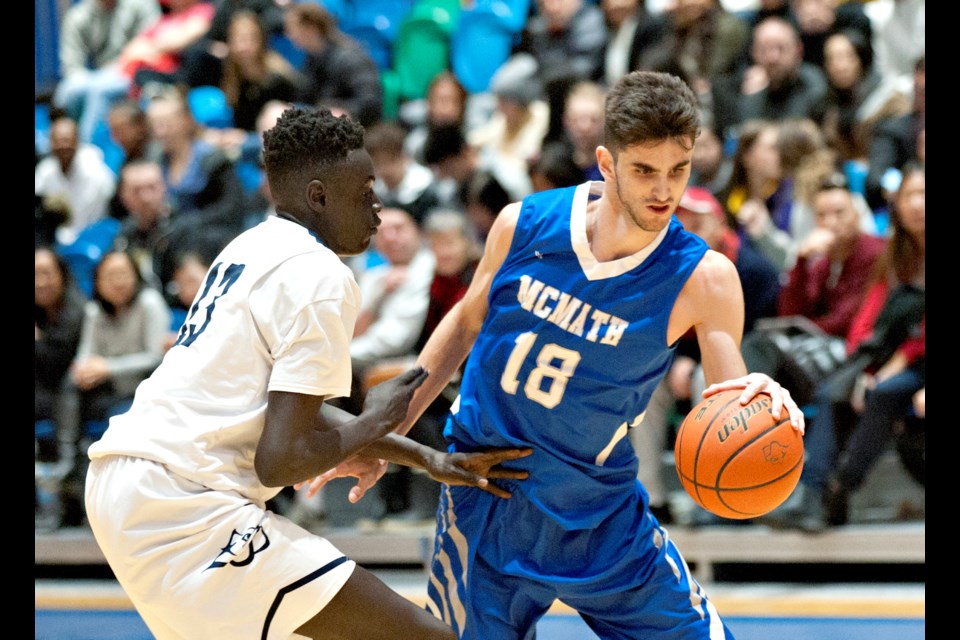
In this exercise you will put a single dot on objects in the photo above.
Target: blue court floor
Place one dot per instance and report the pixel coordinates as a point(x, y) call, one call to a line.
point(98, 610)
point(126, 625)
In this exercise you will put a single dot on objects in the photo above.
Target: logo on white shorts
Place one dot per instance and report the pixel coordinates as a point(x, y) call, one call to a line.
point(241, 548)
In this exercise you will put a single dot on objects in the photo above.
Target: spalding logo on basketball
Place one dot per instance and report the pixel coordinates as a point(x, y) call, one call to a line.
point(738, 461)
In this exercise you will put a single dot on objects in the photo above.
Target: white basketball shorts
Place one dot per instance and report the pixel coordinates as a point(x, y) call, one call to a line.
point(198, 563)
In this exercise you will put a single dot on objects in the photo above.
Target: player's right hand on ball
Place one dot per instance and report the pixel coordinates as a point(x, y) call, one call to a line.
point(391, 398)
point(474, 469)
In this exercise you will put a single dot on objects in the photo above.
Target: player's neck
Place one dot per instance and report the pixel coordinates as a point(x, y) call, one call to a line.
point(612, 236)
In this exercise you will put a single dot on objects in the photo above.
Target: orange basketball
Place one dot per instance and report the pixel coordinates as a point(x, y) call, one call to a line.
point(738, 461)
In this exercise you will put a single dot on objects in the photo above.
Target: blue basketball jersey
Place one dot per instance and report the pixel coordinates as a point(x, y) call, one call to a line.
point(569, 355)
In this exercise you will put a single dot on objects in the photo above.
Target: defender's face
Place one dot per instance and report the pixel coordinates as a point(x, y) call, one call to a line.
point(648, 180)
point(350, 218)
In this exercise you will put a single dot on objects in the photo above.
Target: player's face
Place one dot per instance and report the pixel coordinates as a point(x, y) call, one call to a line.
point(351, 206)
point(648, 180)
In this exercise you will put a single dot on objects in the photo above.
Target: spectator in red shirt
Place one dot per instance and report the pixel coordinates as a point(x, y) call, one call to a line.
point(828, 280)
point(886, 342)
point(825, 286)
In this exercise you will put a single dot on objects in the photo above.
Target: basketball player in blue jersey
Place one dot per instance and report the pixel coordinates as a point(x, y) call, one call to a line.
point(177, 487)
point(569, 323)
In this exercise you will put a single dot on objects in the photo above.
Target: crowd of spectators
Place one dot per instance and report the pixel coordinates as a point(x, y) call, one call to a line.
point(808, 175)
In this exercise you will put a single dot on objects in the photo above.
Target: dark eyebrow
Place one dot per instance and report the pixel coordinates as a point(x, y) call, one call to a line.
point(643, 165)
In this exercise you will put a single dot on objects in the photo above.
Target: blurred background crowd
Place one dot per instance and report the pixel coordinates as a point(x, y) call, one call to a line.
point(808, 174)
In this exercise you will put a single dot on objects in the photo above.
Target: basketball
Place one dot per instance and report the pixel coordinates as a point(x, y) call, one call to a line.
point(738, 461)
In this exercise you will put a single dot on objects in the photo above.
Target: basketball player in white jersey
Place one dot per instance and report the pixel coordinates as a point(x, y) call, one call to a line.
point(177, 486)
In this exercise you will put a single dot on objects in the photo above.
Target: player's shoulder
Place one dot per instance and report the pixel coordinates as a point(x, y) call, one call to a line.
point(714, 269)
point(505, 224)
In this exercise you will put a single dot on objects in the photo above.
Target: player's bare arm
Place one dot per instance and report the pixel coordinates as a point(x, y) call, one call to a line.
point(443, 354)
point(712, 303)
point(300, 441)
point(470, 469)
point(453, 338)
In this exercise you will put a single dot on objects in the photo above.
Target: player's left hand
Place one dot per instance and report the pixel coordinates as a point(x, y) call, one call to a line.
point(367, 471)
point(474, 469)
point(756, 383)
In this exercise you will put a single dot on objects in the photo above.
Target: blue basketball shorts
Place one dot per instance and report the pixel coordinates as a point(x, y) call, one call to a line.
point(498, 565)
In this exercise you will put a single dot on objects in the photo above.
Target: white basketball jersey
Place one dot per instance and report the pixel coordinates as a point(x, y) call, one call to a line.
point(276, 313)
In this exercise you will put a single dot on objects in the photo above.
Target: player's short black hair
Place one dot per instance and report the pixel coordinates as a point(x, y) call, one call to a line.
point(648, 106)
point(308, 137)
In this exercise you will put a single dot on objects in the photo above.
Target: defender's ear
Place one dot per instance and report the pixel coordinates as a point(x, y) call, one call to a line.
point(316, 195)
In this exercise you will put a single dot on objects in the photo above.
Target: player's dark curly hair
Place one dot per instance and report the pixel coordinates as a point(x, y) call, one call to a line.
point(648, 106)
point(308, 138)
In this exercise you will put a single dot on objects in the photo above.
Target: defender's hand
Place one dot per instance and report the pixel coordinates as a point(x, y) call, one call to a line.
point(391, 398)
point(475, 469)
point(367, 471)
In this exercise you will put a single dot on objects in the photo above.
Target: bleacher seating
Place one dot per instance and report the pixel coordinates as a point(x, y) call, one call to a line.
point(411, 41)
point(475, 65)
point(422, 48)
point(210, 107)
point(84, 253)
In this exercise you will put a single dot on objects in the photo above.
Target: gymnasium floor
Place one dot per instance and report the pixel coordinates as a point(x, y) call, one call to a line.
point(98, 610)
point(868, 585)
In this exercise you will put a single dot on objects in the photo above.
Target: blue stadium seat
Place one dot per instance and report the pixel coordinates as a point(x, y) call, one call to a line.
point(479, 46)
point(250, 174)
point(383, 15)
point(41, 128)
point(342, 10)
point(93, 430)
point(113, 153)
point(83, 255)
point(285, 47)
point(512, 14)
point(375, 42)
point(210, 107)
point(82, 258)
point(45, 429)
point(101, 233)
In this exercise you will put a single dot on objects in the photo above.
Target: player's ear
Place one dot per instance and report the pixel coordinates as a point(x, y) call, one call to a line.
point(316, 194)
point(606, 162)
